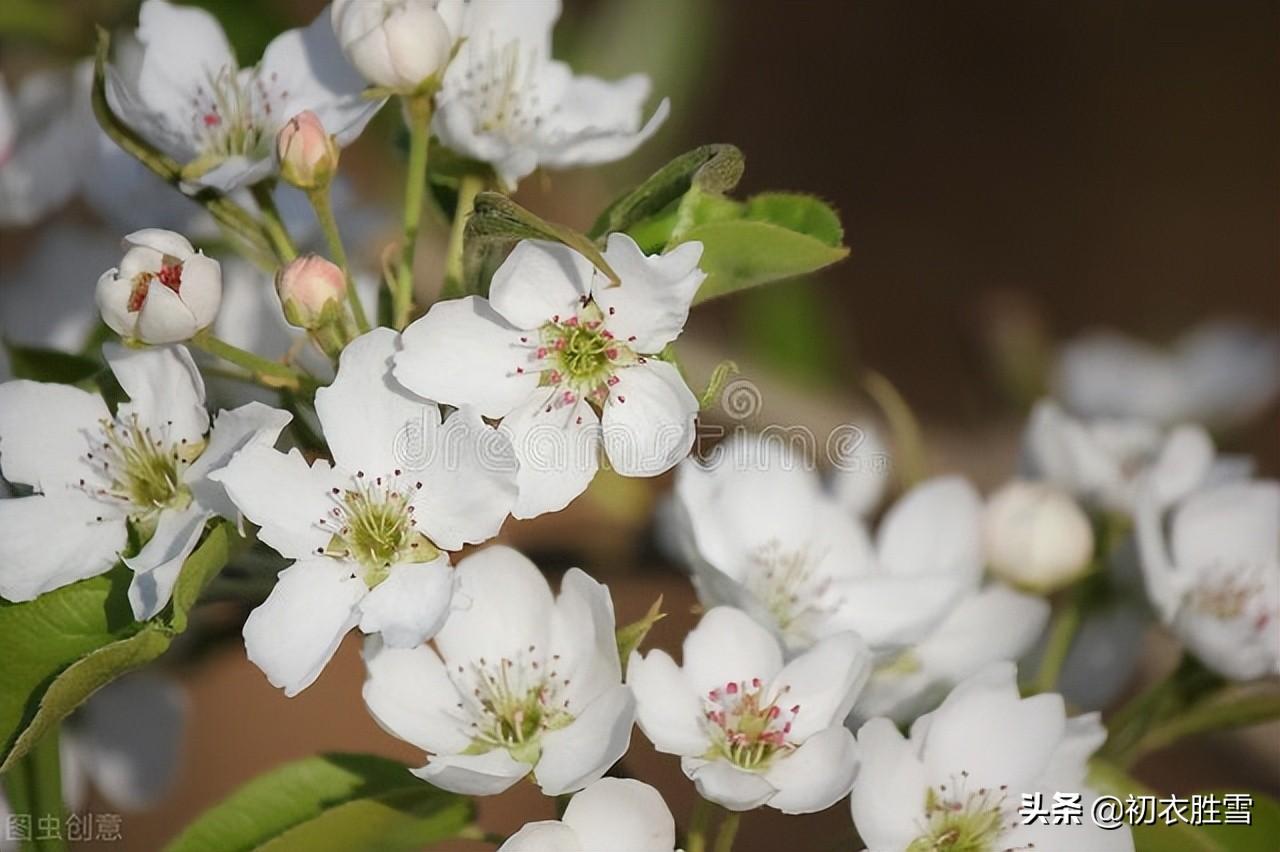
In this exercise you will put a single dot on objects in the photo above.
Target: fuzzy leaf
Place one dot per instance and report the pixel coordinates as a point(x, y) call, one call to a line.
point(744, 253)
point(329, 802)
point(804, 214)
point(711, 169)
point(630, 636)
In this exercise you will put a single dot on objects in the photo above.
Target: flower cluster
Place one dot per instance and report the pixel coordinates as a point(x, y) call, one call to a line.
point(399, 434)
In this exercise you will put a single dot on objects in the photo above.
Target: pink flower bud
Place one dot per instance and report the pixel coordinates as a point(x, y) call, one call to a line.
point(307, 153)
point(312, 291)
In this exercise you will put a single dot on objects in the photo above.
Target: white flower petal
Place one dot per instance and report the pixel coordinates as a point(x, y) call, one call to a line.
point(201, 289)
point(651, 304)
point(502, 605)
point(544, 836)
point(581, 752)
point(599, 122)
point(622, 815)
point(934, 529)
point(823, 682)
point(891, 612)
point(185, 48)
point(583, 635)
point(162, 242)
point(888, 800)
point(50, 541)
point(1237, 523)
point(540, 282)
point(130, 736)
point(252, 424)
point(1069, 762)
point(1185, 459)
point(411, 604)
point(816, 775)
point(667, 708)
point(727, 646)
point(157, 565)
point(165, 390)
point(408, 693)
point(558, 453)
point(474, 774)
point(469, 482)
point(370, 421)
point(45, 432)
point(727, 785)
point(293, 633)
point(165, 318)
point(464, 352)
point(649, 419)
point(284, 496)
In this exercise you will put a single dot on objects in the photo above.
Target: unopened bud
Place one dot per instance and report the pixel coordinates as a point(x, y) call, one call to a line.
point(1036, 537)
point(311, 291)
point(394, 44)
point(164, 291)
point(307, 153)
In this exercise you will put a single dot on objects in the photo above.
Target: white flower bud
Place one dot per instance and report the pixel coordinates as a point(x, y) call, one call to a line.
point(395, 44)
point(311, 291)
point(164, 290)
point(307, 154)
point(1036, 536)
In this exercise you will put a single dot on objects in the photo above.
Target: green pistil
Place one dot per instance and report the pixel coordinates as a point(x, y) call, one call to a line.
point(514, 710)
point(973, 824)
point(145, 472)
point(374, 527)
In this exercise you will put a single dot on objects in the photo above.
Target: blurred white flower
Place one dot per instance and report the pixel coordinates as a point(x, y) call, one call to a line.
point(46, 141)
point(749, 730)
point(1216, 578)
point(957, 781)
point(1036, 537)
point(1102, 461)
point(97, 477)
point(507, 103)
point(555, 343)
point(860, 477)
point(395, 44)
point(368, 533)
point(1221, 373)
point(617, 814)
point(518, 682)
point(164, 291)
point(188, 96)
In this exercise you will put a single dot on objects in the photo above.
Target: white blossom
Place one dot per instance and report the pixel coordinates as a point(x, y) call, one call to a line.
point(957, 781)
point(187, 94)
point(615, 814)
point(1215, 578)
point(555, 343)
point(507, 103)
point(368, 533)
point(749, 730)
point(164, 291)
point(395, 44)
point(518, 682)
point(101, 479)
point(1036, 537)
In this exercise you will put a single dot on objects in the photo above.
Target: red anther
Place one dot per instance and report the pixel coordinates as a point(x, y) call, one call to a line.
point(731, 688)
point(171, 276)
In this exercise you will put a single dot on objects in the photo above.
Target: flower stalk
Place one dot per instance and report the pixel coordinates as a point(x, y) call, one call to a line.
point(34, 788)
point(320, 202)
point(273, 374)
point(418, 109)
point(272, 223)
point(469, 186)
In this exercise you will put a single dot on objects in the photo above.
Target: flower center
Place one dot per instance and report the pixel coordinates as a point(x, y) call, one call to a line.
point(502, 89)
point(787, 586)
point(170, 275)
point(142, 469)
point(1233, 591)
point(960, 821)
point(577, 357)
point(372, 524)
point(235, 113)
point(746, 727)
point(510, 704)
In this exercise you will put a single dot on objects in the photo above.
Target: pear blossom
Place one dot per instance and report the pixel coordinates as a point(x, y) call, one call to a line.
point(100, 480)
point(504, 101)
point(164, 291)
point(1222, 373)
point(1215, 578)
point(749, 730)
point(307, 154)
point(860, 475)
point(1101, 461)
point(1036, 537)
point(369, 533)
point(958, 779)
point(518, 682)
point(187, 94)
point(396, 44)
point(312, 291)
point(555, 343)
point(618, 814)
point(763, 534)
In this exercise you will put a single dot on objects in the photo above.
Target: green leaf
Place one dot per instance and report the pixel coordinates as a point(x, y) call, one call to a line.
point(66, 644)
point(1259, 836)
point(804, 214)
point(745, 253)
point(629, 636)
point(711, 169)
point(50, 365)
point(334, 802)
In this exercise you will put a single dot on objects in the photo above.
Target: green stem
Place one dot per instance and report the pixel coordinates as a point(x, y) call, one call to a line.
point(699, 826)
point(1221, 711)
point(1062, 633)
point(35, 790)
point(728, 831)
point(418, 108)
point(469, 186)
point(324, 214)
point(272, 223)
point(908, 439)
point(1163, 700)
point(270, 373)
